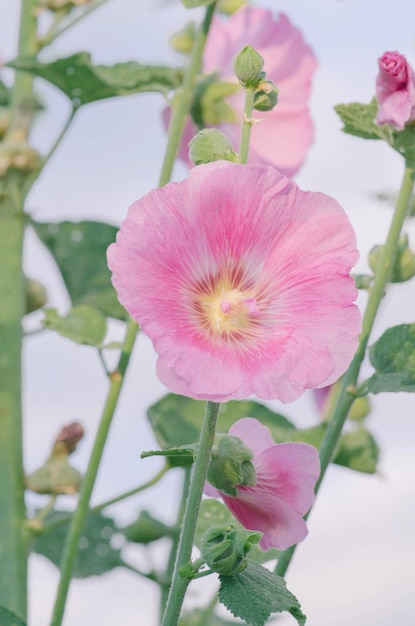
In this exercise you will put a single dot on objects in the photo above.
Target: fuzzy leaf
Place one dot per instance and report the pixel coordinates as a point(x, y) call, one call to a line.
point(393, 357)
point(359, 120)
point(255, 593)
point(187, 452)
point(197, 617)
point(7, 618)
point(83, 82)
point(95, 555)
point(84, 324)
point(79, 249)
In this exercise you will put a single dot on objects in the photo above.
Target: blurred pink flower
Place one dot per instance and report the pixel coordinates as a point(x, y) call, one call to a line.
point(284, 491)
point(242, 282)
point(395, 90)
point(284, 134)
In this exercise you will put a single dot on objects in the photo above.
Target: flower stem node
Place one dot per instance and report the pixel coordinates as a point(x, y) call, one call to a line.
point(230, 465)
point(211, 145)
point(265, 96)
point(404, 266)
point(224, 548)
point(248, 67)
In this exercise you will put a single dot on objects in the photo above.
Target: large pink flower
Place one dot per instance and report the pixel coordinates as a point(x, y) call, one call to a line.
point(395, 90)
point(242, 282)
point(284, 491)
point(283, 135)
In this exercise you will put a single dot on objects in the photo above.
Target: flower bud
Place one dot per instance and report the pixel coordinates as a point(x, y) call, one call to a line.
point(146, 529)
point(55, 477)
point(224, 548)
point(36, 295)
point(211, 145)
point(68, 438)
point(228, 7)
point(404, 266)
point(360, 408)
point(230, 465)
point(265, 96)
point(248, 67)
point(18, 155)
point(363, 281)
point(183, 40)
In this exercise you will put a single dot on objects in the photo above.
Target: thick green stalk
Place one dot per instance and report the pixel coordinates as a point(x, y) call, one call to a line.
point(376, 294)
point(181, 108)
point(13, 540)
point(246, 126)
point(184, 551)
point(75, 530)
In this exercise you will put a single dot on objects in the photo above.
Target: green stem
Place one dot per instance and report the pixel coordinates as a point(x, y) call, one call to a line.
point(56, 30)
point(175, 542)
point(184, 551)
point(13, 535)
point(75, 530)
point(246, 126)
point(181, 109)
point(376, 294)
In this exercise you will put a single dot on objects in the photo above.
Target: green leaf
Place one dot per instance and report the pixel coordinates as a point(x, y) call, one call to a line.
point(359, 451)
point(176, 420)
point(83, 82)
point(84, 324)
point(189, 452)
point(359, 120)
point(95, 555)
point(213, 513)
point(79, 249)
point(393, 357)
point(7, 618)
point(255, 593)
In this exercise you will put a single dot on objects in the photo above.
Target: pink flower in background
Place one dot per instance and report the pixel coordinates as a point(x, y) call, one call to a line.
point(242, 282)
point(284, 491)
point(284, 134)
point(395, 90)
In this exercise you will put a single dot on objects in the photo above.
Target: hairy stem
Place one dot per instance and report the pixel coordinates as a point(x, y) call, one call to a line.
point(376, 294)
point(184, 551)
point(13, 539)
point(246, 126)
point(75, 530)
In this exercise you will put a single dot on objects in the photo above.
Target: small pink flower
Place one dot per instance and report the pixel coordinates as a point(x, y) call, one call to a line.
point(283, 135)
point(395, 90)
point(284, 491)
point(242, 282)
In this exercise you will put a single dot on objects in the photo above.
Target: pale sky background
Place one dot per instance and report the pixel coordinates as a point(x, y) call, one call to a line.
point(356, 566)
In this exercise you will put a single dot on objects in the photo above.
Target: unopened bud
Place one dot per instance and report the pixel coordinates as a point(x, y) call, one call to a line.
point(224, 548)
point(230, 465)
point(36, 295)
point(55, 477)
point(211, 145)
point(228, 7)
point(183, 40)
point(146, 529)
point(18, 155)
point(404, 266)
point(68, 438)
point(248, 67)
point(360, 408)
point(265, 96)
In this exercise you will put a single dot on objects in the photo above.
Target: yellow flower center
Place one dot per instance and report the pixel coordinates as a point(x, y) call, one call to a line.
point(226, 309)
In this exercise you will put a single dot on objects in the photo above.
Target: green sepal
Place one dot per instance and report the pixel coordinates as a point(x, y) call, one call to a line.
point(83, 82)
point(210, 145)
point(230, 465)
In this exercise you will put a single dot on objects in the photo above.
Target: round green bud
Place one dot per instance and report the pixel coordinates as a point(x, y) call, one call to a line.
point(404, 266)
point(183, 40)
point(228, 7)
point(211, 145)
point(224, 548)
point(146, 529)
point(265, 96)
point(360, 408)
point(248, 67)
point(36, 295)
point(230, 465)
point(55, 477)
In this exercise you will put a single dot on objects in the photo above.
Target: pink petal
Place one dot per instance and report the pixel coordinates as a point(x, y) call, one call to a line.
point(254, 434)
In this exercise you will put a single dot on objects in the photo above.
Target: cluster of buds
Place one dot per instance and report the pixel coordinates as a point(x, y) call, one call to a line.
point(224, 548)
point(248, 67)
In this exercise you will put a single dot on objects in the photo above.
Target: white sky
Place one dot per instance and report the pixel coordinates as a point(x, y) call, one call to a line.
point(356, 566)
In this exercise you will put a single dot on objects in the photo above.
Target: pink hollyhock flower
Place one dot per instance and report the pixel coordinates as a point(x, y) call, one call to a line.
point(395, 90)
point(284, 491)
point(242, 282)
point(284, 134)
